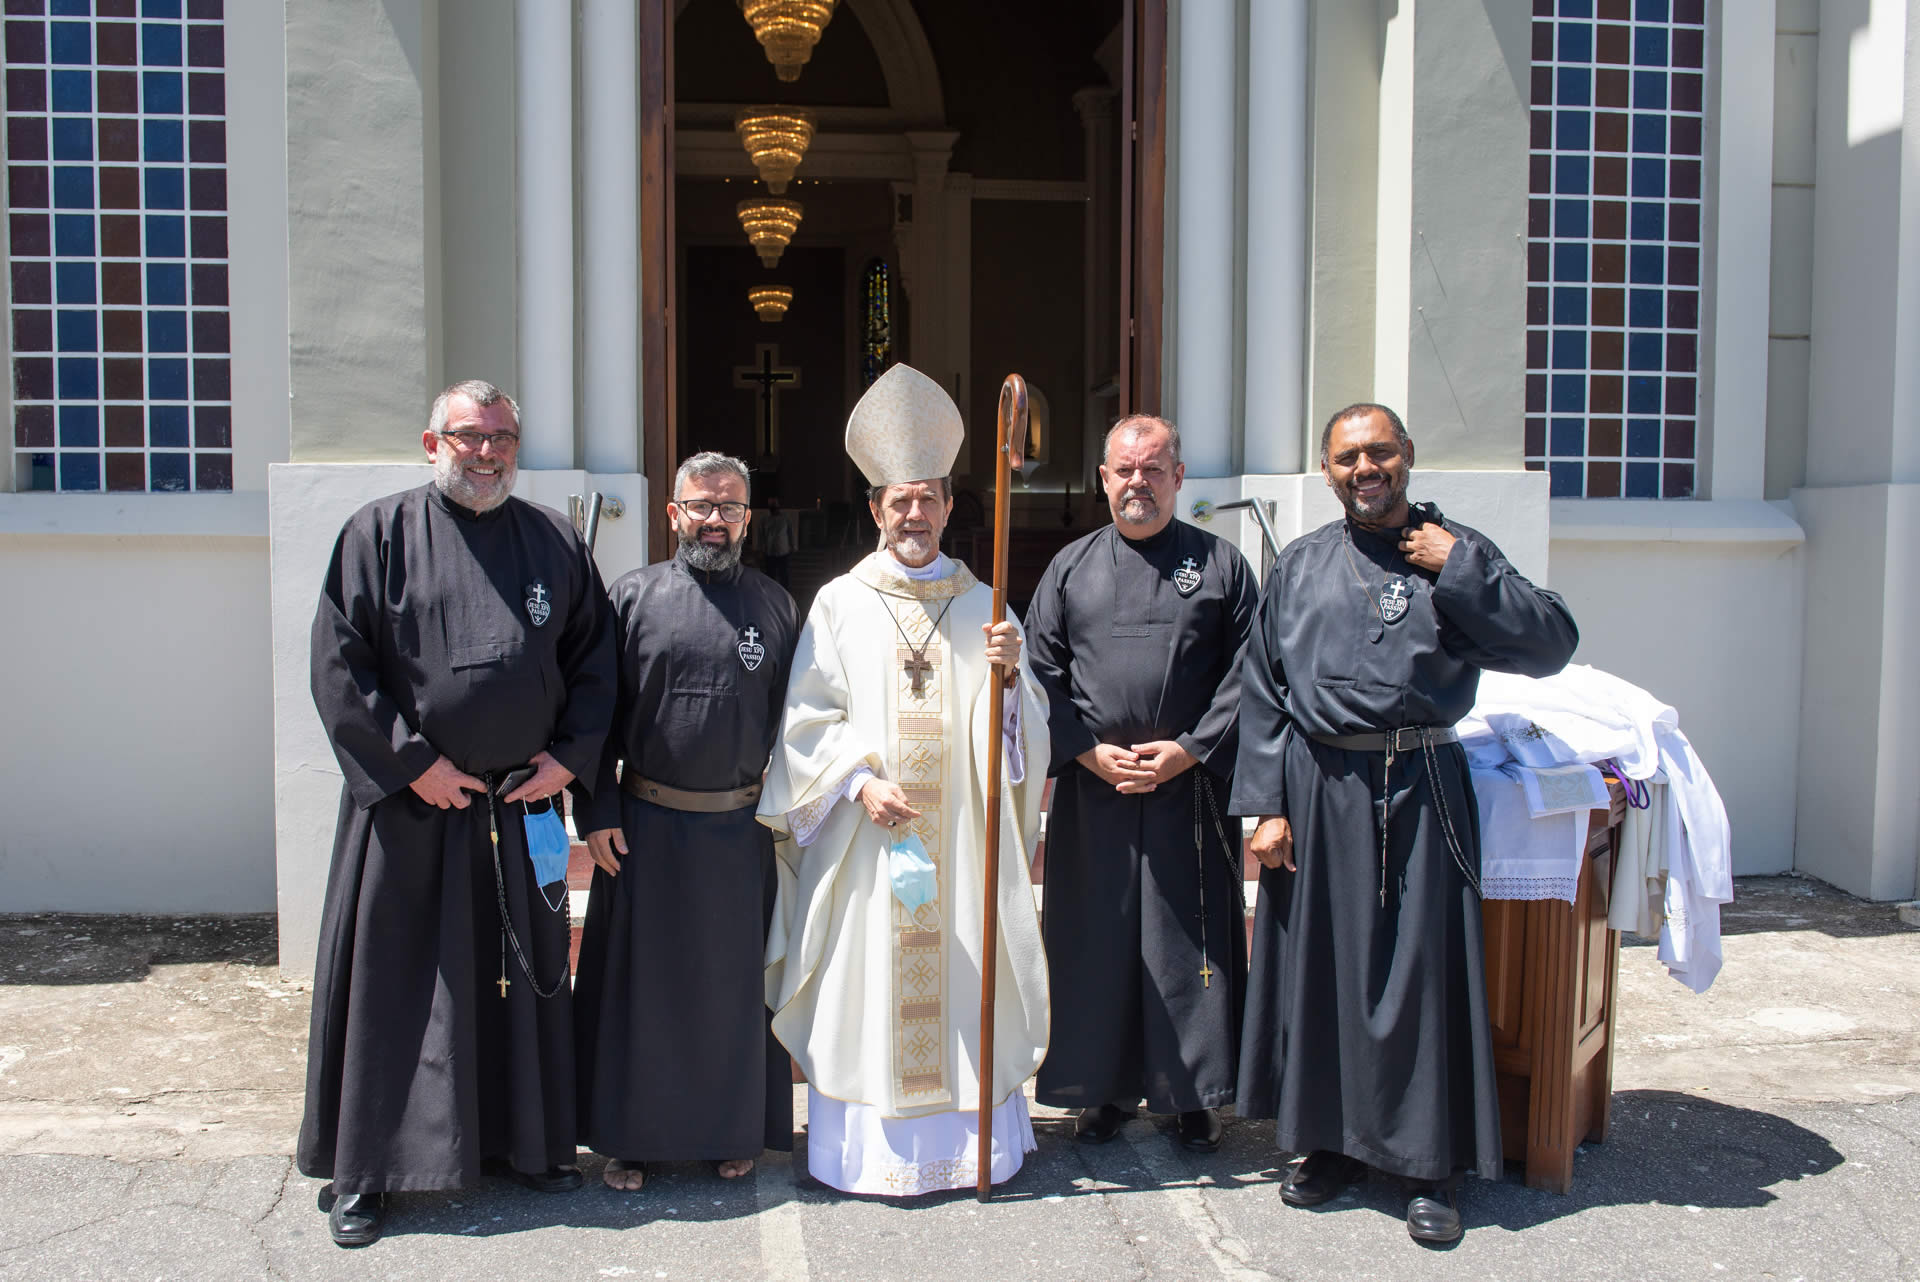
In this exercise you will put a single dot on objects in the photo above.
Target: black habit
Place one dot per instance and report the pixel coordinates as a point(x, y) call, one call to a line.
point(677, 1058)
point(1367, 1029)
point(1135, 641)
point(484, 638)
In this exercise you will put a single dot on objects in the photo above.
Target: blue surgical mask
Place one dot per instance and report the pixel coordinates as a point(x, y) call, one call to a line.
point(548, 847)
point(915, 879)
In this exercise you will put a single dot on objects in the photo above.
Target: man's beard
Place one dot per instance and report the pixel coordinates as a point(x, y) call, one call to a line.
point(450, 477)
point(909, 546)
point(1138, 509)
point(710, 558)
point(1366, 513)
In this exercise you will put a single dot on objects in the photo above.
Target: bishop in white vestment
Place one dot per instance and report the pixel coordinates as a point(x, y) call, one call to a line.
point(873, 963)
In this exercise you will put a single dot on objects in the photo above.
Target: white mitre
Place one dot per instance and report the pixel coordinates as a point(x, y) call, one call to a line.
point(906, 428)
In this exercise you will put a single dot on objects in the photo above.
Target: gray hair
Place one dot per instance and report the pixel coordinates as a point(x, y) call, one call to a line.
point(1142, 423)
point(483, 394)
point(1366, 407)
point(710, 463)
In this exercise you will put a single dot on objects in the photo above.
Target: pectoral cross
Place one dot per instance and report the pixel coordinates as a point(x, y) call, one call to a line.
point(918, 668)
point(503, 985)
point(1206, 973)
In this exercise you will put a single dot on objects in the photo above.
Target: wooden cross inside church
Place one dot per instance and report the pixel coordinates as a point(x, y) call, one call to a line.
point(771, 378)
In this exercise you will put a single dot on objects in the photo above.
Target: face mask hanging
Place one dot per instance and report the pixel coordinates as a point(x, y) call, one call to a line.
point(548, 847)
point(910, 868)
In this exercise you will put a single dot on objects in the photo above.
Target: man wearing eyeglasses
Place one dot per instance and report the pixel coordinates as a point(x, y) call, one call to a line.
point(463, 668)
point(677, 1062)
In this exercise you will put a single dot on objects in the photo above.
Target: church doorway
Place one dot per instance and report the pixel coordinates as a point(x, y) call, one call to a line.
point(981, 194)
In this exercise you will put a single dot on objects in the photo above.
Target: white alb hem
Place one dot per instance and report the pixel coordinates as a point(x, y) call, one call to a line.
point(851, 1147)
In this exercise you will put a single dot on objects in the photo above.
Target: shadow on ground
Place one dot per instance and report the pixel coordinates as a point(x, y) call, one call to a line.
point(86, 948)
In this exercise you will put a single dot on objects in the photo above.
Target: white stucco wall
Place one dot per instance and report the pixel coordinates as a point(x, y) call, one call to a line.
point(139, 728)
point(1707, 616)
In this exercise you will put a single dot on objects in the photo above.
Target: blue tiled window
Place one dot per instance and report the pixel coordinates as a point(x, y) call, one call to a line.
point(1613, 299)
point(117, 194)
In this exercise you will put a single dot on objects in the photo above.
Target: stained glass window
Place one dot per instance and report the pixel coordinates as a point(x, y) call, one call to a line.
point(117, 251)
point(876, 347)
point(1613, 246)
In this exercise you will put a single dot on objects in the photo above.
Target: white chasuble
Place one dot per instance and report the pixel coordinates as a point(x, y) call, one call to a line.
point(878, 1004)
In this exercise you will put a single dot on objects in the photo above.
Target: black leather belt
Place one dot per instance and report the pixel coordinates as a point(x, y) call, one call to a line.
point(705, 803)
point(1405, 739)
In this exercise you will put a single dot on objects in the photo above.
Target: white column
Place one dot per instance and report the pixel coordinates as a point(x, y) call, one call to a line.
point(1203, 306)
point(543, 216)
point(1277, 249)
point(610, 230)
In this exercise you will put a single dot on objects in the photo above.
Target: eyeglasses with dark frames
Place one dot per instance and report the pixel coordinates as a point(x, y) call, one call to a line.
point(701, 509)
point(502, 442)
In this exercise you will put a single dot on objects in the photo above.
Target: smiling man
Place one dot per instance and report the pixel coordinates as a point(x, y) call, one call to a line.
point(463, 669)
point(880, 778)
point(1367, 1036)
point(676, 1058)
point(1134, 630)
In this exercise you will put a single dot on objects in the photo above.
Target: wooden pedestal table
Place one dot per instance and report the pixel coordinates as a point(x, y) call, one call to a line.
point(1551, 983)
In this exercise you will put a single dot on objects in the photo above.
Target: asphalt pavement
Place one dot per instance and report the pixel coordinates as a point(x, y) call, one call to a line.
point(150, 1074)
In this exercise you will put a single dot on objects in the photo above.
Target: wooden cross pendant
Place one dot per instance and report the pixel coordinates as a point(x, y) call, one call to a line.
point(1206, 973)
point(918, 668)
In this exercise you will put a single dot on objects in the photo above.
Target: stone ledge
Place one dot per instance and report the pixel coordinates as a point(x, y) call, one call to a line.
point(1747, 521)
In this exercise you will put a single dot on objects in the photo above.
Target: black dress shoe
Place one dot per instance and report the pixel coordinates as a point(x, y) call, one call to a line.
point(555, 1179)
point(1200, 1130)
point(1433, 1217)
point(1098, 1125)
point(1320, 1177)
point(355, 1219)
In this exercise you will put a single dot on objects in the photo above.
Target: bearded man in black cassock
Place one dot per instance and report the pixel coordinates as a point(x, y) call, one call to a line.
point(462, 637)
point(1367, 1034)
point(677, 1056)
point(1133, 631)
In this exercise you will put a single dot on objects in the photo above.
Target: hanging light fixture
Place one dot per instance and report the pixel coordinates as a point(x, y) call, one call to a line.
point(769, 222)
point(776, 139)
point(787, 30)
point(770, 302)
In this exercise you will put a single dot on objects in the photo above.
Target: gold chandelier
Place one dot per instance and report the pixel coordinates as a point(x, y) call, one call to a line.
point(769, 223)
point(787, 30)
point(776, 139)
point(770, 302)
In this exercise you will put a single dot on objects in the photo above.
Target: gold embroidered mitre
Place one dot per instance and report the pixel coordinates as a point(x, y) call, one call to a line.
point(906, 428)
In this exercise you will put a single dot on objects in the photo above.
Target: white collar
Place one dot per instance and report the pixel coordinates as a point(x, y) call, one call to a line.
point(938, 568)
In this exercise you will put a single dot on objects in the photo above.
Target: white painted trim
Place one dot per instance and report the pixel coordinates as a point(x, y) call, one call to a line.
point(1750, 521)
point(240, 514)
point(1743, 239)
point(543, 217)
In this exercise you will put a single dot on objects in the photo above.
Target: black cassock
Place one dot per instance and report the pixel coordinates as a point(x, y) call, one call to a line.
point(1367, 1029)
point(1135, 640)
point(676, 1053)
point(486, 638)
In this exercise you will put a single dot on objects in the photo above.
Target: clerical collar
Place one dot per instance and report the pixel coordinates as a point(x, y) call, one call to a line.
point(938, 568)
point(438, 496)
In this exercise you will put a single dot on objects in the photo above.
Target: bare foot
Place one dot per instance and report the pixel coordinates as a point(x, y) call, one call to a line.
point(627, 1177)
point(733, 1168)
